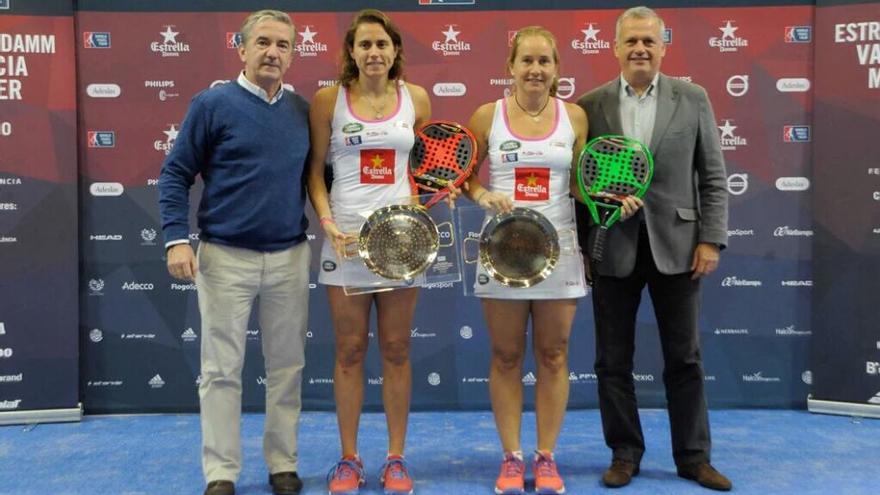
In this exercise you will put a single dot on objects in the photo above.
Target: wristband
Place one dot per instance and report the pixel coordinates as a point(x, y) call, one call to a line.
point(326, 220)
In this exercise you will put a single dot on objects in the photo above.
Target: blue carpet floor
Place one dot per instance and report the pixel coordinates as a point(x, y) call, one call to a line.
point(763, 452)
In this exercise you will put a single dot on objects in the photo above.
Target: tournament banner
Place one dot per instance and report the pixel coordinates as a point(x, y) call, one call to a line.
point(39, 346)
point(138, 68)
point(846, 207)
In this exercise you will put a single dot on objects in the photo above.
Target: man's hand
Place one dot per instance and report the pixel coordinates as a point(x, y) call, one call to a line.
point(706, 258)
point(182, 262)
point(629, 206)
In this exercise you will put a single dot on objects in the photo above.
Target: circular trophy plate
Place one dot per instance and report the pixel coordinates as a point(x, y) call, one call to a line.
point(519, 248)
point(398, 242)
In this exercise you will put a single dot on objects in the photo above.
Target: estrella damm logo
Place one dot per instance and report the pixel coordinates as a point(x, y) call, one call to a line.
point(377, 166)
point(532, 184)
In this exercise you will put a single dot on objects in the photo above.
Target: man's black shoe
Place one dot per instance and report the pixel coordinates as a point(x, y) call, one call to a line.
point(286, 483)
point(220, 487)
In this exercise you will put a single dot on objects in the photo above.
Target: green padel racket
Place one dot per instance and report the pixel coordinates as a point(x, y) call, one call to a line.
point(610, 168)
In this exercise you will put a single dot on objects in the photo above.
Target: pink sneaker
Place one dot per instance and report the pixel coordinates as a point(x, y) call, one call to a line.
point(346, 477)
point(547, 479)
point(511, 479)
point(394, 476)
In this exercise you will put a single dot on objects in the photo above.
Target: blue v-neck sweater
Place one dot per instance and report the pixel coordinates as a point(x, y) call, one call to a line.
point(251, 156)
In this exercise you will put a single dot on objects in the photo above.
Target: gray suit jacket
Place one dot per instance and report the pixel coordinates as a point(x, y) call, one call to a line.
point(687, 199)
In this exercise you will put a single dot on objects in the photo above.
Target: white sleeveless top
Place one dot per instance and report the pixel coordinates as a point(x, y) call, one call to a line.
point(370, 169)
point(534, 173)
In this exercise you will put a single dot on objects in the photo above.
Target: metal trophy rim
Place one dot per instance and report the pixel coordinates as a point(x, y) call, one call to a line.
point(551, 247)
point(388, 213)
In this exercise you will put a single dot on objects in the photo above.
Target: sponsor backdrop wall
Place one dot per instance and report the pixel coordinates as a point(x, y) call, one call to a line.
point(39, 345)
point(846, 205)
point(138, 67)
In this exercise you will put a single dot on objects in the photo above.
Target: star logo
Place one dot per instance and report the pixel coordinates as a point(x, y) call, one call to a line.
point(728, 32)
point(727, 130)
point(171, 133)
point(451, 34)
point(531, 180)
point(308, 36)
point(169, 35)
point(590, 33)
point(377, 161)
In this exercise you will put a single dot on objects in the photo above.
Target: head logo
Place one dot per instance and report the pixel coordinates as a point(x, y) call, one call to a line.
point(796, 133)
point(451, 46)
point(467, 333)
point(738, 85)
point(101, 139)
point(308, 47)
point(798, 34)
point(95, 39)
point(96, 285)
point(434, 379)
point(168, 144)
point(590, 44)
point(103, 90)
point(148, 236)
point(729, 140)
point(96, 335)
point(565, 87)
point(729, 41)
point(737, 184)
point(793, 85)
point(169, 46)
point(156, 382)
point(233, 40)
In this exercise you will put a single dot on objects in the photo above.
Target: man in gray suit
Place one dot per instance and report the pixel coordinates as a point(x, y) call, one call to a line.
point(671, 243)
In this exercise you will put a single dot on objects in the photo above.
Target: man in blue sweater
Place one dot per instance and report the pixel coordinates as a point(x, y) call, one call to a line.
point(249, 141)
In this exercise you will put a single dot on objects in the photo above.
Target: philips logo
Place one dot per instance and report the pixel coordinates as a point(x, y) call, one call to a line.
point(792, 183)
point(450, 89)
point(103, 90)
point(95, 39)
point(796, 133)
point(798, 34)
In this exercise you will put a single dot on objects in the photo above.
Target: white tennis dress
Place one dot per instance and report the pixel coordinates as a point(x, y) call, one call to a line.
point(534, 173)
point(369, 160)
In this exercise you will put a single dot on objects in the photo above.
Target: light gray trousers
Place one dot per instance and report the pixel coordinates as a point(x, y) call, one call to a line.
point(228, 281)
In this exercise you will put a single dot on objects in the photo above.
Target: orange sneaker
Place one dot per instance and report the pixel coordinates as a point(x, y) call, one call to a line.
point(394, 476)
point(511, 479)
point(547, 479)
point(346, 477)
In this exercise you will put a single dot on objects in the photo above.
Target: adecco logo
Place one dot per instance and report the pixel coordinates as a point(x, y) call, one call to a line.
point(103, 90)
point(793, 85)
point(792, 183)
point(450, 89)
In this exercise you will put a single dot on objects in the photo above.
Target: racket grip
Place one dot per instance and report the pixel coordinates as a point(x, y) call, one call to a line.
point(436, 198)
point(599, 245)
